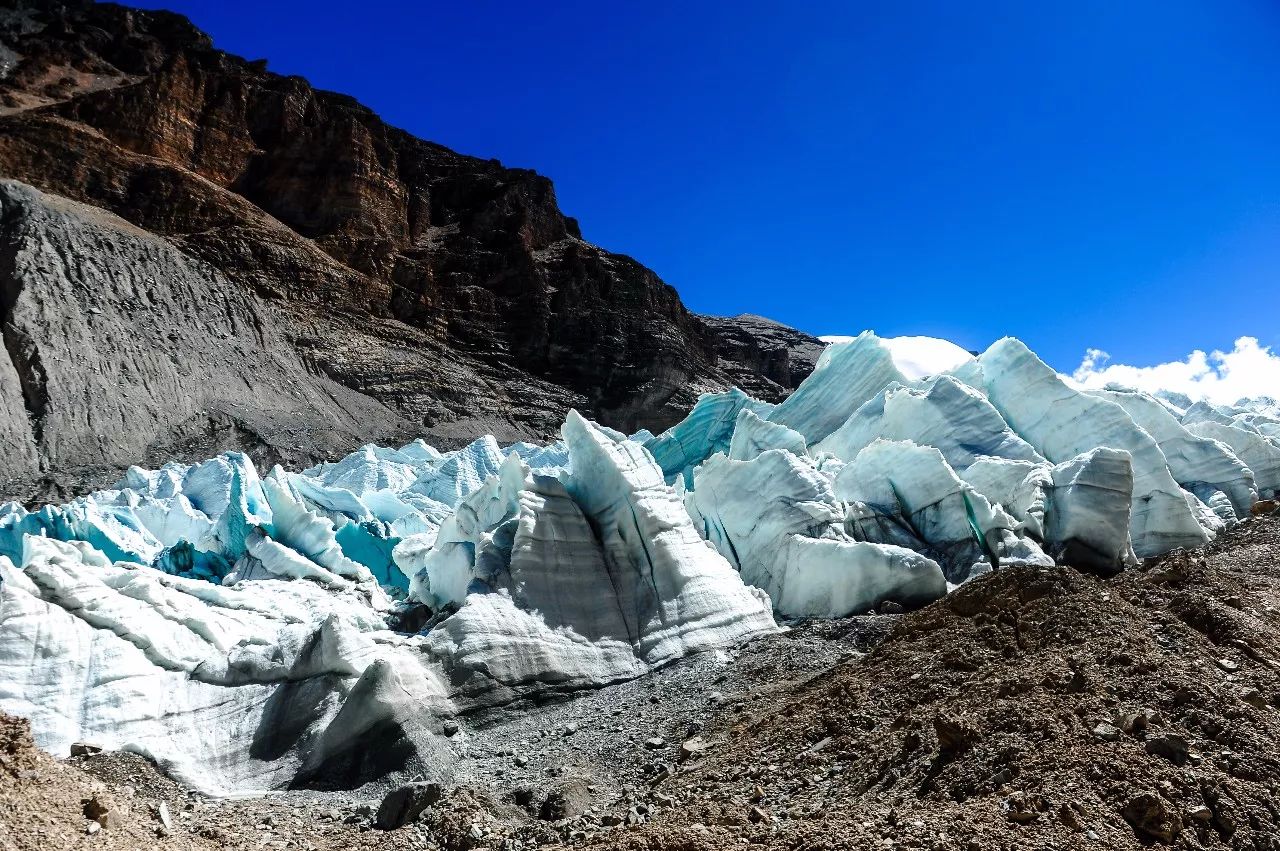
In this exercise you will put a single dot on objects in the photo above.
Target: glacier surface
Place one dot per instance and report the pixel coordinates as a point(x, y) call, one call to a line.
point(251, 633)
point(255, 630)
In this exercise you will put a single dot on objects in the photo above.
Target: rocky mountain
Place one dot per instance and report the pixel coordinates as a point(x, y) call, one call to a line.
point(277, 236)
point(761, 355)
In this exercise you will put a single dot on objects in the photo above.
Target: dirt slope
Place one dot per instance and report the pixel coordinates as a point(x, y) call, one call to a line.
point(1030, 709)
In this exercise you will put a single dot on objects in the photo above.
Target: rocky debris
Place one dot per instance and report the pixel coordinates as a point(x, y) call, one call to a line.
point(1254, 698)
point(84, 748)
point(1151, 818)
point(1201, 814)
point(1136, 723)
point(566, 799)
point(1265, 507)
point(1021, 808)
point(405, 803)
point(424, 293)
point(694, 747)
point(607, 751)
point(954, 734)
point(135, 773)
point(1068, 710)
point(1171, 746)
point(166, 821)
point(46, 804)
point(1069, 692)
point(1107, 732)
point(96, 809)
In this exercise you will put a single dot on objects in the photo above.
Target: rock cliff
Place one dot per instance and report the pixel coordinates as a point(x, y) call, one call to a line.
point(418, 291)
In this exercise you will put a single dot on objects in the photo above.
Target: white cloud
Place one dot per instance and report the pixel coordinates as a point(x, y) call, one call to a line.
point(1248, 370)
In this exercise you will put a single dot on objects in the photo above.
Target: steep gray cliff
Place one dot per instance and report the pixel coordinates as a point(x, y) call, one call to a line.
point(121, 349)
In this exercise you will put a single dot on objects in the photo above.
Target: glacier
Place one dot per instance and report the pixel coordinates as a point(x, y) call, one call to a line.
point(777, 519)
point(255, 630)
point(1061, 422)
point(902, 493)
point(1206, 467)
point(274, 610)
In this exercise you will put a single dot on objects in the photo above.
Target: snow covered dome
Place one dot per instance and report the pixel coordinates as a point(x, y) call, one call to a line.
point(916, 357)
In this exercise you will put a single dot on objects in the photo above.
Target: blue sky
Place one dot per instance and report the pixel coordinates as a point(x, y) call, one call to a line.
point(1085, 174)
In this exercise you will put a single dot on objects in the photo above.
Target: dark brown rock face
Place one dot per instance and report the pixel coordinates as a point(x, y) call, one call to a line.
point(765, 358)
point(449, 290)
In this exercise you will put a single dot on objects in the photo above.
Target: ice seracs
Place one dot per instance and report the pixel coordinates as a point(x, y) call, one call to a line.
point(260, 631)
point(252, 624)
point(847, 374)
point(776, 518)
point(1077, 510)
point(707, 429)
point(674, 589)
point(1093, 479)
point(1201, 465)
point(1256, 449)
point(908, 495)
point(753, 435)
point(941, 412)
point(1061, 423)
point(230, 688)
